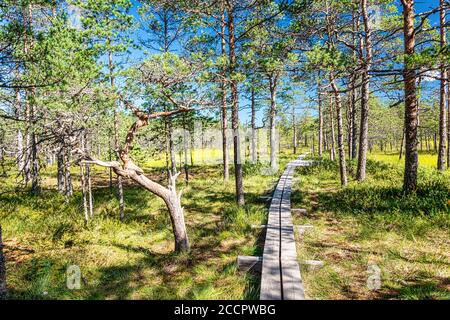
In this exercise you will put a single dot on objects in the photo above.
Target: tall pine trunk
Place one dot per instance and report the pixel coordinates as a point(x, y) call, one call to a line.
point(333, 135)
point(116, 138)
point(319, 99)
point(253, 125)
point(364, 126)
point(225, 155)
point(411, 112)
point(235, 107)
point(294, 131)
point(273, 79)
point(341, 147)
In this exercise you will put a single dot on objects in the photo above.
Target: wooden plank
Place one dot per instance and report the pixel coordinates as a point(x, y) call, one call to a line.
point(271, 279)
point(292, 281)
point(249, 263)
point(280, 277)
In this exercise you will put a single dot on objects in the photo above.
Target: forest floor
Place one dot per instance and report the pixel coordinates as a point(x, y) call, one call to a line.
point(134, 259)
point(370, 223)
point(372, 227)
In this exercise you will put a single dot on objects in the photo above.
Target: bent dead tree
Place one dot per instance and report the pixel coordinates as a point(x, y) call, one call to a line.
point(128, 169)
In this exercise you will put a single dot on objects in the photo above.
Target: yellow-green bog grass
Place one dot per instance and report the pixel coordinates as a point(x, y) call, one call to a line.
point(133, 258)
point(371, 233)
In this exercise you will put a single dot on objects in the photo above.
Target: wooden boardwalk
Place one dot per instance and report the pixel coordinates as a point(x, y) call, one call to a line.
point(280, 278)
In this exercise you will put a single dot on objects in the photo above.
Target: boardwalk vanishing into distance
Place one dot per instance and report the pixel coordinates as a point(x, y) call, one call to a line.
point(280, 278)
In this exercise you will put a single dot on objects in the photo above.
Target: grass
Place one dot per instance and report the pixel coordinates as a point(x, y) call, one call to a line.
point(134, 259)
point(426, 159)
point(374, 223)
point(371, 223)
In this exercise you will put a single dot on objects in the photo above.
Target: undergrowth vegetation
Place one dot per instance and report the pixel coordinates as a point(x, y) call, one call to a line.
point(133, 258)
point(374, 222)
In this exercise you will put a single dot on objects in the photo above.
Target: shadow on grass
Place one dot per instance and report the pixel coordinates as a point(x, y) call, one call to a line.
point(420, 289)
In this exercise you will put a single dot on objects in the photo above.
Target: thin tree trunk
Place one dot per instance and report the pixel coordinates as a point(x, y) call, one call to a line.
point(354, 128)
point(185, 150)
point(435, 142)
point(116, 138)
point(341, 147)
point(166, 145)
point(19, 139)
point(349, 118)
point(235, 107)
point(273, 109)
point(253, 124)
point(32, 160)
point(67, 176)
point(364, 127)
point(60, 170)
point(294, 130)
point(319, 99)
point(3, 290)
point(333, 136)
point(411, 112)
point(225, 155)
point(89, 190)
point(84, 193)
point(402, 145)
point(88, 181)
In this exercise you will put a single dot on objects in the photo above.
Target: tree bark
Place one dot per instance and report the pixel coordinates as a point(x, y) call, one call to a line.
point(273, 82)
point(84, 194)
point(3, 290)
point(411, 112)
point(67, 176)
point(333, 136)
point(341, 147)
point(128, 169)
point(185, 150)
point(89, 190)
point(116, 137)
point(319, 99)
point(402, 144)
point(354, 128)
point(364, 126)
point(294, 130)
point(253, 124)
point(60, 170)
point(235, 107)
point(225, 155)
